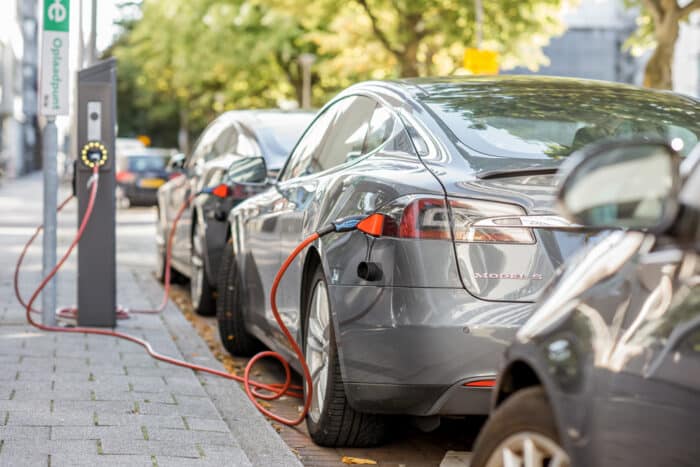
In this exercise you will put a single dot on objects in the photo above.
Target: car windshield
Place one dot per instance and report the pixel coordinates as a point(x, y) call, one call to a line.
point(146, 163)
point(549, 120)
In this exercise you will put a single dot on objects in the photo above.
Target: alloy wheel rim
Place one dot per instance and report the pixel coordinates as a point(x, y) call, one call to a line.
point(197, 279)
point(317, 347)
point(528, 449)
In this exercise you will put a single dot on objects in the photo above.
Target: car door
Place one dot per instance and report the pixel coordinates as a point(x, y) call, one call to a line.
point(259, 231)
point(247, 176)
point(180, 192)
point(302, 195)
point(198, 172)
point(650, 410)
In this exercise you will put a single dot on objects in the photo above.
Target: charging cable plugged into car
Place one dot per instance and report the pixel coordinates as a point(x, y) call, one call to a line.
point(371, 224)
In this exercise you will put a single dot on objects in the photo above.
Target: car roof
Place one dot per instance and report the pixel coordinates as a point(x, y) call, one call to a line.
point(254, 117)
point(420, 88)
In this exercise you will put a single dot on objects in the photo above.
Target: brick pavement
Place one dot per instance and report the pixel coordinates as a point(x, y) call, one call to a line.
point(94, 400)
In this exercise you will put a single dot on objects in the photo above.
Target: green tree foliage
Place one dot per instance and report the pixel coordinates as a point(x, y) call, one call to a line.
point(185, 61)
point(658, 28)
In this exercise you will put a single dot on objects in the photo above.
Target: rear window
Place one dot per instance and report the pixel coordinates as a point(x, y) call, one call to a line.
point(544, 121)
point(146, 163)
point(279, 136)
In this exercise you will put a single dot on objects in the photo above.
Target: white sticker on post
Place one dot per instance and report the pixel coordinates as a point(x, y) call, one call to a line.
point(94, 121)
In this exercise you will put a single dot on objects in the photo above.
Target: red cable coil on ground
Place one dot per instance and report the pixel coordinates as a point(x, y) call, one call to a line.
point(122, 313)
point(252, 388)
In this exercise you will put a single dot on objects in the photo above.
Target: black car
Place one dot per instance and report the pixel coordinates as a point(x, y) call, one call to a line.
point(139, 175)
point(607, 370)
point(242, 148)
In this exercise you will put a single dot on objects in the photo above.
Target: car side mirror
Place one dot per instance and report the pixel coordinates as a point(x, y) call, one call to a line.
point(177, 162)
point(630, 184)
point(249, 170)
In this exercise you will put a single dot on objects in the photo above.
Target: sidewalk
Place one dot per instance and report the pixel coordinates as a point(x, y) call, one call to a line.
point(93, 400)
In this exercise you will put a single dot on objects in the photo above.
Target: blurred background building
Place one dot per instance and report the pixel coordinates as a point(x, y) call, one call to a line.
point(686, 66)
point(593, 47)
point(19, 142)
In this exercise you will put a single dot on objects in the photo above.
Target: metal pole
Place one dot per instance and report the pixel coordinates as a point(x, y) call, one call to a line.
point(306, 60)
point(306, 86)
point(479, 21)
point(81, 36)
point(48, 296)
point(93, 33)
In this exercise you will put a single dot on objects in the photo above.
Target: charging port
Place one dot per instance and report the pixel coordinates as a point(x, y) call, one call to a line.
point(94, 153)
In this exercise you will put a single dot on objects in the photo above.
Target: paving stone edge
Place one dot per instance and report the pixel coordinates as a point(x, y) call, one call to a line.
point(261, 443)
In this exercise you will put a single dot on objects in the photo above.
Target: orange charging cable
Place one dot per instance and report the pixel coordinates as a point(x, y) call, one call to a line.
point(252, 388)
point(122, 313)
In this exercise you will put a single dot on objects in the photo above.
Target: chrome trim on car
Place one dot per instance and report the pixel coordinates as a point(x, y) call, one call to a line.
point(518, 222)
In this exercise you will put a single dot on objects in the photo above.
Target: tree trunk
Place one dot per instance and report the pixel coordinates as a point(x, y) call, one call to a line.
point(658, 73)
point(183, 135)
point(296, 82)
point(292, 71)
point(408, 60)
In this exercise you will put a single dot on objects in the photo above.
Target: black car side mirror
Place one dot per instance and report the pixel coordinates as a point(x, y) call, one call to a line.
point(177, 163)
point(629, 184)
point(248, 170)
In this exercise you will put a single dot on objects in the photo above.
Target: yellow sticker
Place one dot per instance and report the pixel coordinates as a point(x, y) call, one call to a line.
point(481, 62)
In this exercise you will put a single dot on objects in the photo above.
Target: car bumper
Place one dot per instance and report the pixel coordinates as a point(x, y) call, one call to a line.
point(411, 350)
point(138, 195)
point(420, 400)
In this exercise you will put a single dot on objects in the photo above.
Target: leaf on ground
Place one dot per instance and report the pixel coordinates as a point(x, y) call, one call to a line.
point(357, 461)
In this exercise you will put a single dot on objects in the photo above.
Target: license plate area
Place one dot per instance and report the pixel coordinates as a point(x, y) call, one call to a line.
point(151, 182)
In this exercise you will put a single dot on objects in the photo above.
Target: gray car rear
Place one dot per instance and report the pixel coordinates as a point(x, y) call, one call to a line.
point(423, 336)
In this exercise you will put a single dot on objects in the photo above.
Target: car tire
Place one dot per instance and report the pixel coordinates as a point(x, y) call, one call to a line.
point(525, 417)
point(123, 201)
point(201, 292)
point(160, 266)
point(161, 249)
point(331, 421)
point(175, 276)
point(229, 310)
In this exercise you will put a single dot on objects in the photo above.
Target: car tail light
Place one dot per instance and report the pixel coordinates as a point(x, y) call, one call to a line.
point(427, 217)
point(481, 383)
point(222, 191)
point(124, 176)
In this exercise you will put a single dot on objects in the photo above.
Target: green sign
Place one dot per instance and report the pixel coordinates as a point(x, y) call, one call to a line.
point(57, 15)
point(54, 74)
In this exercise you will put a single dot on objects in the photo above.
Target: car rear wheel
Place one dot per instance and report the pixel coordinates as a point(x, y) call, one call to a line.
point(202, 296)
point(123, 201)
point(331, 421)
point(175, 276)
point(521, 432)
point(229, 310)
point(160, 265)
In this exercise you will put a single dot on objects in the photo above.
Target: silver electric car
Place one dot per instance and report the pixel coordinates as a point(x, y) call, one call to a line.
point(414, 321)
point(228, 151)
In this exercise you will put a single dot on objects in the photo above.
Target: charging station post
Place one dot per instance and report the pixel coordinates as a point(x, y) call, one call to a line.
point(96, 124)
point(53, 101)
